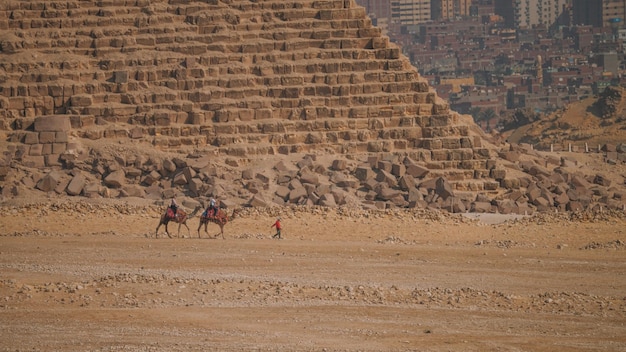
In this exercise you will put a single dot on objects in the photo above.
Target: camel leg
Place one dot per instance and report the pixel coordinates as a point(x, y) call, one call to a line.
point(222, 230)
point(156, 235)
point(206, 225)
point(199, 226)
point(167, 231)
point(188, 231)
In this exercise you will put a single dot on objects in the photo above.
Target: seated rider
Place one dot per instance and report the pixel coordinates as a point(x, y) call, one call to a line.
point(174, 207)
point(213, 207)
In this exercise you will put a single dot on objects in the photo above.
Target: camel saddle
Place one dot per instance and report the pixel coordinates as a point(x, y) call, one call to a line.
point(209, 214)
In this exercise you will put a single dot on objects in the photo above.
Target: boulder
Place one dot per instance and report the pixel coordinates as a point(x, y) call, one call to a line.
point(398, 170)
point(443, 188)
point(133, 191)
point(180, 179)
point(115, 179)
point(386, 177)
point(76, 185)
point(282, 192)
point(480, 207)
point(49, 182)
point(258, 201)
point(417, 171)
point(327, 200)
point(247, 174)
point(406, 182)
point(387, 193)
point(151, 178)
point(309, 177)
point(297, 194)
point(602, 180)
point(364, 173)
point(339, 164)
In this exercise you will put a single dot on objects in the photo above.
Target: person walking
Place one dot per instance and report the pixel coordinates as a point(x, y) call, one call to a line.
point(278, 227)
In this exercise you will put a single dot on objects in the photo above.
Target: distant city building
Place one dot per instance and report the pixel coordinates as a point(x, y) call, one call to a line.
point(599, 13)
point(480, 8)
point(527, 14)
point(450, 9)
point(410, 12)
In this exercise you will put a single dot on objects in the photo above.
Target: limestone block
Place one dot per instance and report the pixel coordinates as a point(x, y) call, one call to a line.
point(180, 179)
point(537, 170)
point(294, 183)
point(384, 165)
point(76, 185)
point(387, 193)
point(557, 178)
point(574, 206)
point(58, 148)
point(262, 177)
point(36, 150)
point(297, 194)
point(561, 199)
point(282, 192)
point(49, 181)
point(195, 186)
point(386, 177)
point(31, 138)
point(480, 207)
point(189, 173)
point(169, 165)
point(398, 169)
point(417, 171)
point(600, 179)
point(115, 179)
point(327, 200)
point(132, 191)
point(81, 100)
point(93, 190)
point(343, 181)
point(151, 178)
point(46, 137)
point(364, 173)
point(507, 206)
point(52, 123)
point(498, 174)
point(580, 182)
point(406, 182)
point(310, 178)
point(247, 174)
point(443, 188)
point(510, 183)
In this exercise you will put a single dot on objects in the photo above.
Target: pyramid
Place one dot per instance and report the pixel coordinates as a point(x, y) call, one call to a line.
point(233, 78)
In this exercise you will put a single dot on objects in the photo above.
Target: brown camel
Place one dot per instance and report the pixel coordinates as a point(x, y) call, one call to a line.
point(221, 219)
point(181, 219)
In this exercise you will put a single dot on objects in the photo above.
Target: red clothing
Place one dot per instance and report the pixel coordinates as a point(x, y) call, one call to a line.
point(277, 225)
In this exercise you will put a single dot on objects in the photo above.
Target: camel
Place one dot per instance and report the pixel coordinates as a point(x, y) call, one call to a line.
point(181, 219)
point(221, 219)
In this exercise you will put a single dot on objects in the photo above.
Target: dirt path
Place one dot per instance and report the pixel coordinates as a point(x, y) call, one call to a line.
point(89, 277)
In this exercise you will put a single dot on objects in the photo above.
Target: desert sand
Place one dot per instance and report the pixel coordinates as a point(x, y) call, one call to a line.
point(90, 275)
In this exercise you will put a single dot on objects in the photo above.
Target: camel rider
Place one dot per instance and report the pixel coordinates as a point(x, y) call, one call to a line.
point(213, 206)
point(174, 207)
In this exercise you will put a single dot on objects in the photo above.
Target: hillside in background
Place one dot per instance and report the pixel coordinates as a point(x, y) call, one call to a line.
point(596, 121)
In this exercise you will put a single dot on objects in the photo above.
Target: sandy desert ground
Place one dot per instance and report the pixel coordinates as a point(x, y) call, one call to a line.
point(89, 275)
